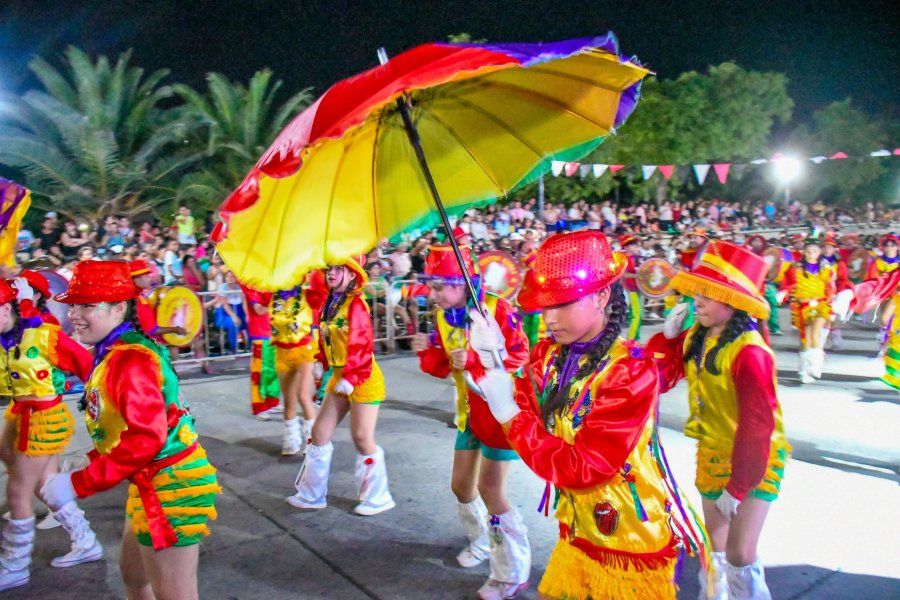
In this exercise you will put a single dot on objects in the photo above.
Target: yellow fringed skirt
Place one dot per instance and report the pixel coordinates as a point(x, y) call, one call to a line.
point(714, 471)
point(370, 391)
point(49, 431)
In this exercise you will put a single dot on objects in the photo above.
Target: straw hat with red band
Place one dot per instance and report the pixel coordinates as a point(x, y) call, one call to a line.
point(37, 282)
point(95, 281)
point(568, 267)
point(355, 265)
point(139, 267)
point(441, 263)
point(7, 293)
point(729, 274)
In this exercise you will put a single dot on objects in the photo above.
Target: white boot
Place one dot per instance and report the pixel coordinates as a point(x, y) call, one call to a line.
point(837, 339)
point(747, 582)
point(474, 518)
point(372, 482)
point(291, 439)
point(312, 480)
point(16, 543)
point(306, 426)
point(510, 557)
point(803, 369)
point(85, 546)
point(48, 522)
point(719, 589)
point(816, 362)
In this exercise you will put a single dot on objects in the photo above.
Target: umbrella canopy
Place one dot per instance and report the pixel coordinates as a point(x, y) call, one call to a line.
point(14, 203)
point(343, 174)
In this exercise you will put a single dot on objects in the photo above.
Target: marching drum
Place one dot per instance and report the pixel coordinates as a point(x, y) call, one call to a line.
point(501, 274)
point(653, 277)
point(178, 306)
point(774, 257)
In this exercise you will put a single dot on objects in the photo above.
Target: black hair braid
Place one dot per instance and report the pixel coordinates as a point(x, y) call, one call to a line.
point(617, 316)
point(738, 323)
point(18, 330)
point(132, 317)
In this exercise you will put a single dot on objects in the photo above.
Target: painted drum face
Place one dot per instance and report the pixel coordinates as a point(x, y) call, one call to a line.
point(178, 307)
point(501, 273)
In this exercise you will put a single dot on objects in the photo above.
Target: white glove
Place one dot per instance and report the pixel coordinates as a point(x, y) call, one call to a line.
point(57, 491)
point(780, 296)
point(841, 304)
point(318, 370)
point(343, 387)
point(23, 290)
point(497, 388)
point(674, 320)
point(727, 505)
point(485, 337)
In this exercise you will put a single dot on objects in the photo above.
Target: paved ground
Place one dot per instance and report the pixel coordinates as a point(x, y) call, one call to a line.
point(833, 534)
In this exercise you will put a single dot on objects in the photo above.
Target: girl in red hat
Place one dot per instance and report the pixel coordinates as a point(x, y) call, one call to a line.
point(632, 251)
point(584, 419)
point(734, 411)
point(482, 455)
point(811, 285)
point(294, 316)
point(833, 257)
point(36, 304)
point(38, 426)
point(356, 387)
point(142, 431)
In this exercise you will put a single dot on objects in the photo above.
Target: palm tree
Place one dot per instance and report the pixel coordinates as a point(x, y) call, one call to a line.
point(97, 139)
point(242, 122)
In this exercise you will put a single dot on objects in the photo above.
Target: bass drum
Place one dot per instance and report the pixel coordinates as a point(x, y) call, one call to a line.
point(178, 306)
point(58, 285)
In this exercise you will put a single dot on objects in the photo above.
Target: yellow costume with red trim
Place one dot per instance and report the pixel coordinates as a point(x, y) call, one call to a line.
point(811, 287)
point(295, 323)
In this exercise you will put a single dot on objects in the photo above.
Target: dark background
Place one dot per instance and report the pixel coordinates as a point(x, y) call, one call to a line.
point(829, 50)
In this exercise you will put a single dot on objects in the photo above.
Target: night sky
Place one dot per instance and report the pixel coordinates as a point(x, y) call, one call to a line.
point(829, 50)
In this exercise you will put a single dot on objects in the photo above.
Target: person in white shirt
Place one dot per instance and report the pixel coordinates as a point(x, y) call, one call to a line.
point(172, 268)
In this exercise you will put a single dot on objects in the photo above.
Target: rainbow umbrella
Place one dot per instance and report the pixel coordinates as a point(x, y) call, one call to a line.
point(378, 152)
point(15, 200)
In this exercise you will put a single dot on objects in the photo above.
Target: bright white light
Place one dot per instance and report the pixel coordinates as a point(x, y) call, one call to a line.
point(787, 169)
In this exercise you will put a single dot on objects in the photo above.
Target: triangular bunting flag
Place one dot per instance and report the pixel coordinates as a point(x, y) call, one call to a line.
point(880, 153)
point(896, 151)
point(556, 167)
point(701, 171)
point(647, 171)
point(819, 159)
point(667, 171)
point(838, 155)
point(722, 171)
point(571, 168)
point(583, 170)
point(600, 170)
point(616, 168)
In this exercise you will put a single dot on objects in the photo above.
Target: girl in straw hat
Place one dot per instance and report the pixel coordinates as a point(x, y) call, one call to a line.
point(37, 429)
point(356, 386)
point(482, 456)
point(734, 411)
point(142, 431)
point(584, 419)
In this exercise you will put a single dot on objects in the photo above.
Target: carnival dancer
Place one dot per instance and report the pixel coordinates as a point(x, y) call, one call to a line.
point(482, 455)
point(632, 251)
point(584, 419)
point(38, 427)
point(532, 322)
point(142, 431)
point(38, 305)
point(888, 260)
point(697, 243)
point(810, 283)
point(295, 338)
point(735, 415)
point(145, 308)
point(265, 392)
point(356, 386)
point(758, 245)
point(831, 255)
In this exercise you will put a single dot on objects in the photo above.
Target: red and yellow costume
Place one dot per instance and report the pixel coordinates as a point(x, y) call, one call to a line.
point(265, 392)
point(144, 305)
point(881, 264)
point(140, 424)
point(38, 283)
point(347, 341)
point(601, 450)
point(838, 264)
point(294, 318)
point(811, 288)
point(629, 284)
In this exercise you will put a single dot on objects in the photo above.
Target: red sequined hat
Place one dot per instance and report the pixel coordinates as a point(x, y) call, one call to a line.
point(138, 267)
point(7, 293)
point(441, 263)
point(627, 239)
point(37, 282)
point(568, 267)
point(729, 274)
point(95, 281)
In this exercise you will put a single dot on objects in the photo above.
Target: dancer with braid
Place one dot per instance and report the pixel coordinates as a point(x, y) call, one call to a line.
point(482, 456)
point(142, 431)
point(735, 415)
point(583, 418)
point(37, 429)
point(356, 387)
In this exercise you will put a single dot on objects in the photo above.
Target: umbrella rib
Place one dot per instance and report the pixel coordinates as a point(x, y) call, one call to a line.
point(468, 150)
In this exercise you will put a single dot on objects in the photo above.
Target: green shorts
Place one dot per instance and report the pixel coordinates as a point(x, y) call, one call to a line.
point(467, 440)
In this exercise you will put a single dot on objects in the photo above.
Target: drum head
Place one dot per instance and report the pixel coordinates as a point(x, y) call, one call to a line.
point(653, 277)
point(858, 264)
point(773, 257)
point(178, 307)
point(501, 274)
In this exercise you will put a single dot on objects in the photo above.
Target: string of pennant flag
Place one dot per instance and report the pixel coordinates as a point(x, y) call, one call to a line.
point(722, 170)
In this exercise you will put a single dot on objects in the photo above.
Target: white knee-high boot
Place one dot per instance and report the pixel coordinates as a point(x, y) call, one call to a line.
point(291, 439)
point(306, 426)
point(804, 368)
point(474, 518)
point(312, 480)
point(747, 582)
point(85, 547)
point(16, 544)
point(510, 557)
point(372, 482)
point(719, 588)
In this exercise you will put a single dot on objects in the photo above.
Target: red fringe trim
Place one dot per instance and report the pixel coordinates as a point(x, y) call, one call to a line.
point(622, 559)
